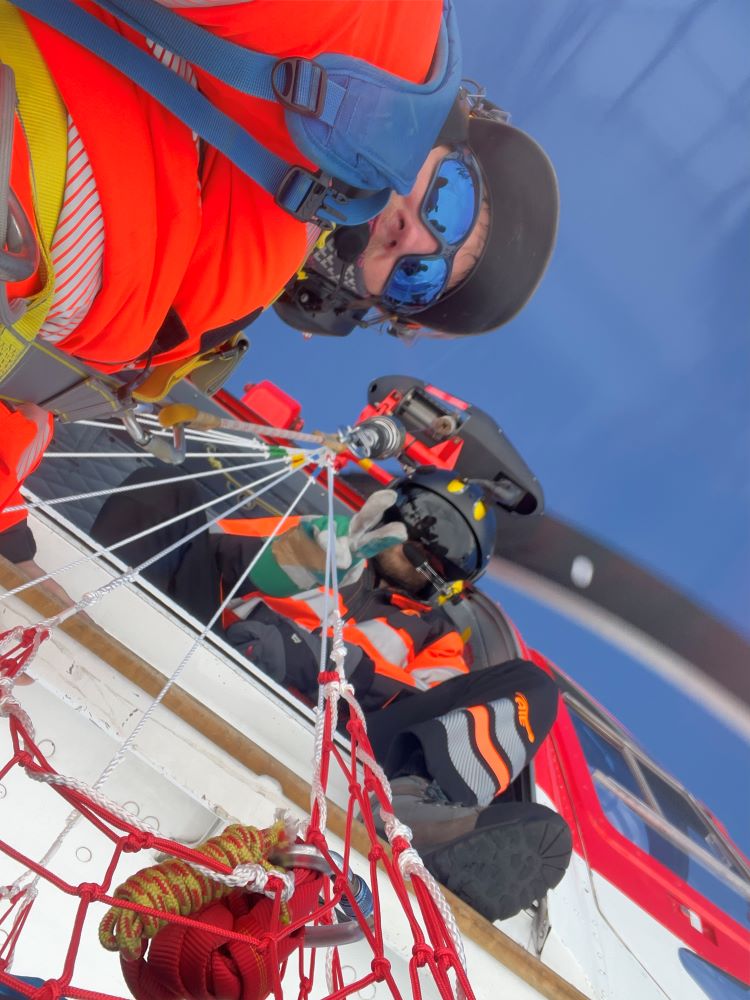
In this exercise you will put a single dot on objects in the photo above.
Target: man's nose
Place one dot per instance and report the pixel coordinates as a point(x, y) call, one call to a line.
point(413, 237)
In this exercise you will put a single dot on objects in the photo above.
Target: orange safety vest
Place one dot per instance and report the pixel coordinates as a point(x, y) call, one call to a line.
point(387, 626)
point(191, 231)
point(24, 435)
point(386, 639)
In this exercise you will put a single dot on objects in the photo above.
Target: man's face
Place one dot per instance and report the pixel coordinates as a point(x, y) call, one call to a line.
point(399, 231)
point(396, 570)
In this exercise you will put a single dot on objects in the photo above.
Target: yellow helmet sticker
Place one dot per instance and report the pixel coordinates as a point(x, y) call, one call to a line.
point(479, 511)
point(452, 590)
point(456, 486)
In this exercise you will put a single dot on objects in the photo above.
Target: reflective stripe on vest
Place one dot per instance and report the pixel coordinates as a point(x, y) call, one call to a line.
point(427, 677)
point(380, 642)
point(305, 609)
point(388, 648)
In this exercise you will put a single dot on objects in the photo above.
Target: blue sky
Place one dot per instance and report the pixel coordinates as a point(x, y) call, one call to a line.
point(625, 382)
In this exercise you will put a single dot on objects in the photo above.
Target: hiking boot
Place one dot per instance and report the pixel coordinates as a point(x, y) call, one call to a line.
point(499, 859)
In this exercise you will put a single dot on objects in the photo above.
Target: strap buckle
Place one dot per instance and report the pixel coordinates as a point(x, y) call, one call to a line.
point(300, 85)
point(308, 197)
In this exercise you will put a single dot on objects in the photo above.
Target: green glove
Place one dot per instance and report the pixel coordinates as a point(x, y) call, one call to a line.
point(295, 562)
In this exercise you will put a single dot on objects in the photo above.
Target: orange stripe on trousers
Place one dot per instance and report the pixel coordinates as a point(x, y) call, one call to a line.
point(481, 716)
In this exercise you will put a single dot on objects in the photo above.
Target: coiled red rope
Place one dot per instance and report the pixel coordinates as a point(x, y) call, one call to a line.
point(202, 964)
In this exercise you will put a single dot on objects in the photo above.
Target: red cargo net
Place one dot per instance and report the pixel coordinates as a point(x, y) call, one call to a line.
point(218, 920)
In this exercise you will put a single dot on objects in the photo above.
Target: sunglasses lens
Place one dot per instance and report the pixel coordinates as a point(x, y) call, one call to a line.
point(416, 281)
point(450, 205)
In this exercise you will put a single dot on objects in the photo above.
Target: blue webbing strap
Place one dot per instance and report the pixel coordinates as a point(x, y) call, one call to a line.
point(246, 70)
point(223, 59)
point(296, 189)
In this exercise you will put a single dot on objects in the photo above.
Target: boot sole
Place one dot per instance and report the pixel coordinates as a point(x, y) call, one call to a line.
point(502, 869)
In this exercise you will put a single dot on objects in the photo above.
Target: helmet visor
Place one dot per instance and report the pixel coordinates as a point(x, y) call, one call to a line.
point(440, 531)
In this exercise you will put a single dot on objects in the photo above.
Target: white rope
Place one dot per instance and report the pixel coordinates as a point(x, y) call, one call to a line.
point(140, 455)
point(91, 792)
point(411, 865)
point(204, 632)
point(253, 877)
point(112, 490)
point(213, 434)
point(409, 862)
point(327, 692)
point(94, 596)
point(9, 706)
point(102, 550)
point(191, 433)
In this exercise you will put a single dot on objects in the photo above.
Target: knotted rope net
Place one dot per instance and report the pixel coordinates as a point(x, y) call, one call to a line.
point(250, 913)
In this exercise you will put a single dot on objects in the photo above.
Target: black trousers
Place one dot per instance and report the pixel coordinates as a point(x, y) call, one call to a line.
point(472, 734)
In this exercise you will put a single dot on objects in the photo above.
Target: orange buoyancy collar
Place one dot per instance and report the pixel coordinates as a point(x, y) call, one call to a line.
point(192, 232)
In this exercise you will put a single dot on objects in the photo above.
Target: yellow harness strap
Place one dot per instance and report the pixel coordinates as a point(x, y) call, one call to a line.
point(44, 120)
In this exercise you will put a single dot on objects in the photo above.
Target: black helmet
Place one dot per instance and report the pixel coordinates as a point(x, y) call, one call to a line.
point(448, 521)
point(521, 187)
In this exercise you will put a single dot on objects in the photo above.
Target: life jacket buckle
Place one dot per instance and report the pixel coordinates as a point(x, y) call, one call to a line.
point(300, 85)
point(308, 197)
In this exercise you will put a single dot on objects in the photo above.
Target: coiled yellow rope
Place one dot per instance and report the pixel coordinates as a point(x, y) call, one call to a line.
point(174, 887)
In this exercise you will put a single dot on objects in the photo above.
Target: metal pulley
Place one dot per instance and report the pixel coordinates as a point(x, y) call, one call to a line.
point(378, 438)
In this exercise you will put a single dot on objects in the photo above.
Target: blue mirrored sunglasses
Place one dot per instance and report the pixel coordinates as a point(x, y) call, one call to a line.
point(449, 210)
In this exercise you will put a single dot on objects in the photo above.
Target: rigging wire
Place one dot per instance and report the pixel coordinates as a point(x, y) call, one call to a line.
point(111, 491)
point(30, 888)
point(103, 550)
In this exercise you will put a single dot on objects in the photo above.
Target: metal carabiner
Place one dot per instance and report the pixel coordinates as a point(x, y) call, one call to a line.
point(172, 453)
point(329, 935)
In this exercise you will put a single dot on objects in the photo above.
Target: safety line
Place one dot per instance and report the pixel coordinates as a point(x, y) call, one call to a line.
point(111, 491)
point(143, 454)
point(155, 428)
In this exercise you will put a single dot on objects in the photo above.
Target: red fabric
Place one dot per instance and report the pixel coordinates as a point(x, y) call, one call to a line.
point(210, 242)
point(22, 444)
point(185, 962)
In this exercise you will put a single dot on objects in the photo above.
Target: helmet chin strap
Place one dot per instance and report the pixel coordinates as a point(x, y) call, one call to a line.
point(446, 590)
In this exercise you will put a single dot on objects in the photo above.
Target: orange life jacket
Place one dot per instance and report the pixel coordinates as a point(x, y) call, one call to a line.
point(191, 231)
point(24, 435)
